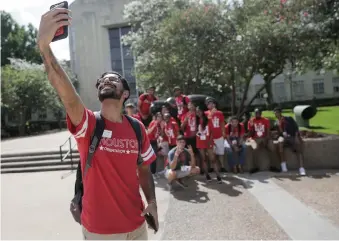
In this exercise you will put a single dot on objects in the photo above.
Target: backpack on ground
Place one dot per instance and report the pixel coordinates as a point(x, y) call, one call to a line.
point(76, 203)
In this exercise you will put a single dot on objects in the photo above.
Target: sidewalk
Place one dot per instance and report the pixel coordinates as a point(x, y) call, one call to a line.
point(35, 206)
point(44, 142)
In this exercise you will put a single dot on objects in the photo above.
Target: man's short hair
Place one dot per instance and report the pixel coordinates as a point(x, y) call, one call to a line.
point(177, 88)
point(234, 118)
point(124, 82)
point(180, 138)
point(210, 100)
point(257, 110)
point(151, 88)
point(277, 109)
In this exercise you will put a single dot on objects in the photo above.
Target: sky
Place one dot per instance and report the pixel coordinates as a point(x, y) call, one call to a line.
point(30, 11)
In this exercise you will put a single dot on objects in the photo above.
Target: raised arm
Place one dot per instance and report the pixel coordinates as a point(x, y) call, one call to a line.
point(50, 22)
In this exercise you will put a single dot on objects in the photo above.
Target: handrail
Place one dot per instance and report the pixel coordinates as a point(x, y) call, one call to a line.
point(68, 153)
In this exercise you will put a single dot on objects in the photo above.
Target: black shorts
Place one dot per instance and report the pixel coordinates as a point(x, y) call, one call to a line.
point(192, 141)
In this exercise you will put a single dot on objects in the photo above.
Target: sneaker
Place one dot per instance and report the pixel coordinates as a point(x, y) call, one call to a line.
point(181, 183)
point(169, 187)
point(283, 167)
point(219, 180)
point(302, 171)
point(208, 178)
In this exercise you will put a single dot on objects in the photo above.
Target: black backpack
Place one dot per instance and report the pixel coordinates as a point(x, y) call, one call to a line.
point(76, 203)
point(230, 129)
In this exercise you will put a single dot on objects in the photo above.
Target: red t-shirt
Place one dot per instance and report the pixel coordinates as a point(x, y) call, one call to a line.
point(154, 135)
point(111, 203)
point(216, 121)
point(171, 131)
point(233, 131)
point(137, 116)
point(259, 127)
point(182, 109)
point(191, 126)
point(146, 101)
point(203, 136)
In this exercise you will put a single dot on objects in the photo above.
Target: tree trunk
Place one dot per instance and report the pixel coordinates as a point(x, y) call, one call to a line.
point(269, 94)
point(268, 81)
point(22, 122)
point(244, 96)
point(233, 92)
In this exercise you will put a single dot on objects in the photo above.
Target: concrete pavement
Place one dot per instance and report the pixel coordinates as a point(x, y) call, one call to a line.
point(260, 206)
point(243, 207)
point(44, 142)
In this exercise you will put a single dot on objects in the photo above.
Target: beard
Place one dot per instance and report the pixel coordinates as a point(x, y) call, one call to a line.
point(109, 94)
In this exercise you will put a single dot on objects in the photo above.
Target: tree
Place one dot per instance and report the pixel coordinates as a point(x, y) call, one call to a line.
point(177, 44)
point(17, 41)
point(25, 89)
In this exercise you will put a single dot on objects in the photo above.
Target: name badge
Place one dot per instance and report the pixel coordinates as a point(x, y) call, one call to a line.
point(107, 134)
point(203, 137)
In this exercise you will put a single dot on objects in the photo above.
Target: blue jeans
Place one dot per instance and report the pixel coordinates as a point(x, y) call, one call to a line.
point(236, 158)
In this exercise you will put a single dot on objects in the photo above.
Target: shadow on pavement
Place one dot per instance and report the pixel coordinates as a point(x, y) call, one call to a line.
point(191, 194)
point(227, 187)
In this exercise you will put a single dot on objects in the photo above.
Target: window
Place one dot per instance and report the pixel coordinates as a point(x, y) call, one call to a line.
point(298, 88)
point(42, 115)
point(335, 82)
point(280, 92)
point(318, 86)
point(122, 59)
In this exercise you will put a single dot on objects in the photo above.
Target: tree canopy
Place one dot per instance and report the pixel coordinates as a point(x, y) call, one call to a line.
point(17, 41)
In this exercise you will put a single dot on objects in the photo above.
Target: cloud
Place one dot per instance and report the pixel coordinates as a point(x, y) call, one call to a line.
point(25, 12)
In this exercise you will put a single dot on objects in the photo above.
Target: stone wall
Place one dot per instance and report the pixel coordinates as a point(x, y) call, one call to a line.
point(320, 153)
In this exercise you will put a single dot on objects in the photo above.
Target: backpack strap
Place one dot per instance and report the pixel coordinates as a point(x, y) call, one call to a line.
point(137, 129)
point(97, 134)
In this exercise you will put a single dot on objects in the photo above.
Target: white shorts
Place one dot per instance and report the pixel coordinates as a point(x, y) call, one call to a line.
point(183, 172)
point(219, 146)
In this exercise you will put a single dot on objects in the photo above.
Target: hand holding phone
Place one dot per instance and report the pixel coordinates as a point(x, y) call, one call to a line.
point(62, 32)
point(50, 22)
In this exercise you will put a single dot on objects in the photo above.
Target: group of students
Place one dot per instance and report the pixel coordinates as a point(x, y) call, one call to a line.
point(194, 137)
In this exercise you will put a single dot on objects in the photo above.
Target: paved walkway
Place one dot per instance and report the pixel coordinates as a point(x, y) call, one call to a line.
point(260, 206)
point(45, 142)
point(243, 207)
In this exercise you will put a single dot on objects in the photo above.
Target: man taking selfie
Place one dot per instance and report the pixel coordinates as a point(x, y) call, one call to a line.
point(112, 207)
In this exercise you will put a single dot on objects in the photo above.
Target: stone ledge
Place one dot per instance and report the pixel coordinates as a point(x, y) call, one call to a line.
point(320, 153)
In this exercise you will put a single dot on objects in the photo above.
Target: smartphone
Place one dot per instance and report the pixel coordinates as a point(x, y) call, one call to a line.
point(62, 32)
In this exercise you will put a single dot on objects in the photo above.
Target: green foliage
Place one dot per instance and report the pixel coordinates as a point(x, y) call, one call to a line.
point(25, 89)
point(17, 41)
point(205, 47)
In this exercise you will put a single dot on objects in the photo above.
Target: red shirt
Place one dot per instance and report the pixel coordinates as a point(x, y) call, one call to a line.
point(171, 131)
point(259, 127)
point(182, 109)
point(233, 131)
point(154, 135)
point(203, 136)
point(146, 101)
point(137, 116)
point(191, 125)
point(216, 121)
point(111, 203)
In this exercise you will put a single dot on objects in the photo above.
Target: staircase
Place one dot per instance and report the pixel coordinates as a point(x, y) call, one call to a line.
point(39, 162)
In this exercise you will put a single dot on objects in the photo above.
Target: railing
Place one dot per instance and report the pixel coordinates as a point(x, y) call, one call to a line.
point(69, 154)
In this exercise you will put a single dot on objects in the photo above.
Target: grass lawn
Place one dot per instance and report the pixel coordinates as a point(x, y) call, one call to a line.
point(325, 121)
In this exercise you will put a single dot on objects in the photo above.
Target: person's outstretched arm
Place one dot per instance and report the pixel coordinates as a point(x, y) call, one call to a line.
point(50, 22)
